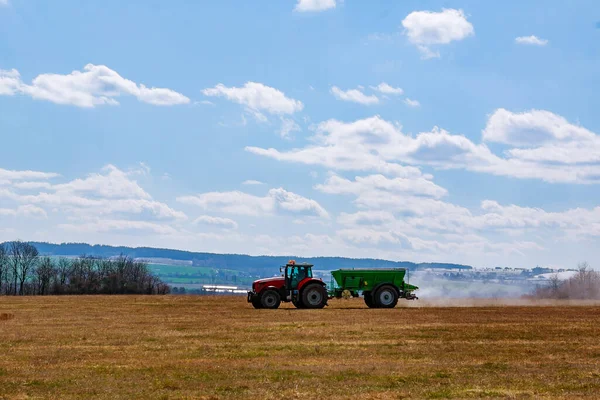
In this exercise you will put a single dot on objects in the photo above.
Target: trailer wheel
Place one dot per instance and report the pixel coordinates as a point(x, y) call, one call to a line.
point(386, 297)
point(256, 302)
point(314, 296)
point(369, 299)
point(270, 299)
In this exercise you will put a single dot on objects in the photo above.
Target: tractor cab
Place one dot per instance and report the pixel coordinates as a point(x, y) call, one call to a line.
point(296, 273)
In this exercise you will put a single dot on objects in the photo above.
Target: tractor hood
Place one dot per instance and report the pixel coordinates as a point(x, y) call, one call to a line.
point(270, 280)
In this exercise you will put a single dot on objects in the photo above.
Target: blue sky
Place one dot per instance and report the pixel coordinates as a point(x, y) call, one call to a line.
point(459, 131)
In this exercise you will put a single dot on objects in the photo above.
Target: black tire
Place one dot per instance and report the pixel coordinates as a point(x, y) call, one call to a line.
point(256, 302)
point(298, 303)
point(314, 296)
point(368, 297)
point(386, 297)
point(270, 299)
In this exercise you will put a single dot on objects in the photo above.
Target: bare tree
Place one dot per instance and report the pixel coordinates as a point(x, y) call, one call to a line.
point(23, 258)
point(44, 274)
point(3, 266)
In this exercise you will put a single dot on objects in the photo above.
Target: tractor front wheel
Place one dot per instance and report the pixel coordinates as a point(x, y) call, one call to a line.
point(386, 297)
point(256, 302)
point(270, 299)
point(314, 296)
point(368, 297)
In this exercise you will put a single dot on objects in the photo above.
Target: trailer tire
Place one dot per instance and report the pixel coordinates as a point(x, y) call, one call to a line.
point(256, 302)
point(270, 299)
point(314, 296)
point(386, 297)
point(369, 299)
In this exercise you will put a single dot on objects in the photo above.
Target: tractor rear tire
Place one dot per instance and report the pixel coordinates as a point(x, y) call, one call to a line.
point(270, 299)
point(256, 302)
point(369, 300)
point(298, 303)
point(386, 297)
point(314, 296)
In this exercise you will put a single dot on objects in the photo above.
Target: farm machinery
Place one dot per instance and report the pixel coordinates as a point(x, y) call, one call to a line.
point(380, 288)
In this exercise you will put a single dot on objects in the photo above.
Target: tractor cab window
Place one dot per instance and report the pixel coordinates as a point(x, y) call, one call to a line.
point(298, 272)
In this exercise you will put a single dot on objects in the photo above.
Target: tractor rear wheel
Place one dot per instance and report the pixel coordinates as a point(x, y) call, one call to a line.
point(270, 299)
point(298, 303)
point(369, 299)
point(256, 302)
point(314, 296)
point(386, 297)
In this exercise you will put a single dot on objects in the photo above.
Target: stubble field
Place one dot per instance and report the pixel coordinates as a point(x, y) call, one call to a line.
point(113, 347)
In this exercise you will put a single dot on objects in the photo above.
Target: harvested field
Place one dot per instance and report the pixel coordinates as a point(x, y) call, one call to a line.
point(113, 347)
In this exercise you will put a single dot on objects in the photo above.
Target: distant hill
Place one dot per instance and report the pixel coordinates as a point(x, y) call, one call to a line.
point(240, 262)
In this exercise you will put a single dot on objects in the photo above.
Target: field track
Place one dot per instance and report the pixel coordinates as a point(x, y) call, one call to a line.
point(167, 347)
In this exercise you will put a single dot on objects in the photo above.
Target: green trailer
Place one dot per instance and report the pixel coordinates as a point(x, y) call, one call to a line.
point(381, 288)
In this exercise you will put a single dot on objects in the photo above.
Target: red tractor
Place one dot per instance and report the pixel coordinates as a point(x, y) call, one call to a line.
point(296, 285)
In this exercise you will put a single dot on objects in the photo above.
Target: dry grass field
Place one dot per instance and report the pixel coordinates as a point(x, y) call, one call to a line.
point(220, 347)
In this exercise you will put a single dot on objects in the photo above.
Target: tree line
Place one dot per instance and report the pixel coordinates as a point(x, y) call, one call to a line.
point(583, 285)
point(23, 271)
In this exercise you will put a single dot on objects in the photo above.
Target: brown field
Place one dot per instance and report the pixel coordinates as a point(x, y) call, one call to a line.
point(219, 347)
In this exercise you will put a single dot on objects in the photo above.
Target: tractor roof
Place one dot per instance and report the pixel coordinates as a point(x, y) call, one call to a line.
point(293, 263)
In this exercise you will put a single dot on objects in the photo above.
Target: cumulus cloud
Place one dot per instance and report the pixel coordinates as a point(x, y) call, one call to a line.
point(314, 5)
point(95, 85)
point(354, 95)
point(12, 175)
point(123, 226)
point(110, 192)
point(225, 223)
point(531, 40)
point(544, 146)
point(257, 98)
point(252, 182)
point(417, 186)
point(428, 28)
point(287, 127)
point(387, 89)
point(276, 200)
point(412, 103)
point(27, 210)
point(533, 127)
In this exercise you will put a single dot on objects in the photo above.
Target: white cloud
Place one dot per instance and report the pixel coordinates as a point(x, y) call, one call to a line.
point(413, 186)
point(314, 5)
point(32, 185)
point(4, 2)
point(111, 192)
point(257, 98)
point(532, 128)
point(252, 182)
point(113, 184)
point(297, 204)
point(225, 223)
point(246, 204)
point(427, 28)
point(112, 225)
point(288, 126)
point(12, 175)
point(551, 149)
point(27, 210)
point(412, 103)
point(354, 95)
point(532, 40)
point(95, 85)
point(387, 89)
